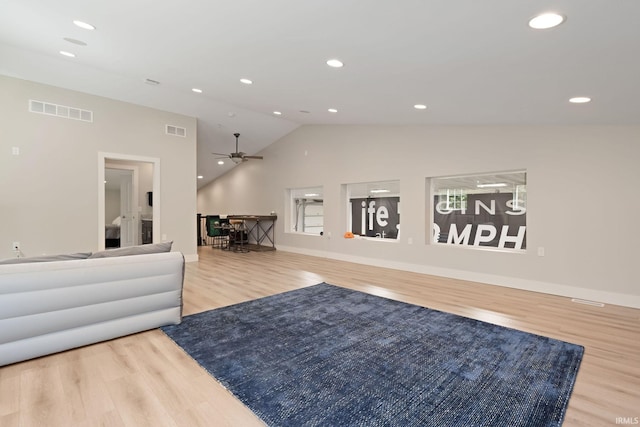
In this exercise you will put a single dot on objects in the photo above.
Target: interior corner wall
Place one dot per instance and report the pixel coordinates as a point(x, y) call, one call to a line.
point(49, 191)
point(581, 190)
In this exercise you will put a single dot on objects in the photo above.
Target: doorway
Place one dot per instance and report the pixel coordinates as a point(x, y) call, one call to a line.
point(128, 200)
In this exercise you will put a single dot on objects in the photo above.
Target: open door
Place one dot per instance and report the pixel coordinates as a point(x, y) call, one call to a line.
point(128, 214)
point(120, 203)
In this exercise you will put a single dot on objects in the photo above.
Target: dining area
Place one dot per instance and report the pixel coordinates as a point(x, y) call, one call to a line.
point(237, 233)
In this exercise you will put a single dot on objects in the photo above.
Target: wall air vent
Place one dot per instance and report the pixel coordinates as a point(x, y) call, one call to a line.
point(176, 131)
point(50, 109)
point(587, 302)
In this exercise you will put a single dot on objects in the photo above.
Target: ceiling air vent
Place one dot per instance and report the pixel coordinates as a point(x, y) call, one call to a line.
point(176, 131)
point(64, 111)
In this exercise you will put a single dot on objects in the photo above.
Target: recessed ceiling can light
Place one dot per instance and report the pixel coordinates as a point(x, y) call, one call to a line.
point(546, 20)
point(580, 100)
point(332, 110)
point(246, 81)
point(69, 54)
point(420, 107)
point(277, 113)
point(200, 176)
point(492, 185)
point(196, 90)
point(220, 162)
point(335, 63)
point(84, 25)
point(75, 41)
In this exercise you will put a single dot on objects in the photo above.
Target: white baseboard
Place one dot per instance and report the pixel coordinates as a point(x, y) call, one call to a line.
point(624, 300)
point(190, 258)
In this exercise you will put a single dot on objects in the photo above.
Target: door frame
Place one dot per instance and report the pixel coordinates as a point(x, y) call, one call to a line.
point(103, 159)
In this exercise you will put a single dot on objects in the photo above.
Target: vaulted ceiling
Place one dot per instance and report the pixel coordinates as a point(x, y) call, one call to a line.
point(469, 62)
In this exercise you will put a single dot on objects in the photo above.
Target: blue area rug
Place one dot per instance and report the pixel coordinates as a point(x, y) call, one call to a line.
point(330, 356)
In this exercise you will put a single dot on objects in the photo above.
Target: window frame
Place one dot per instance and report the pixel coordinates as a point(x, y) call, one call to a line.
point(301, 197)
point(376, 191)
point(490, 215)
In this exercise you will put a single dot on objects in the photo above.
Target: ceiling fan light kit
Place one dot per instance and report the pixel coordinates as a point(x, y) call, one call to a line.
point(238, 156)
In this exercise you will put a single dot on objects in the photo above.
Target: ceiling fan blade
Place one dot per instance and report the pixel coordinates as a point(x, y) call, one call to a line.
point(240, 156)
point(220, 154)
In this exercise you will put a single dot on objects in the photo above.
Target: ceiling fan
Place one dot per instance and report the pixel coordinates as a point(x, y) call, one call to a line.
point(238, 156)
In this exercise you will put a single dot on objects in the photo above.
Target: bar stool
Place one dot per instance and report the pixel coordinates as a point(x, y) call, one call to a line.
point(238, 236)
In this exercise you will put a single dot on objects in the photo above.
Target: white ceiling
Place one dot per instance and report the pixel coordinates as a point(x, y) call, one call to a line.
point(469, 61)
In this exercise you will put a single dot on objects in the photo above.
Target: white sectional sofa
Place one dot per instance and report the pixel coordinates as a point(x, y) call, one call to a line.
point(47, 307)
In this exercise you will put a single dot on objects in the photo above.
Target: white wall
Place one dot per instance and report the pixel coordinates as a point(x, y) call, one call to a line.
point(581, 190)
point(49, 192)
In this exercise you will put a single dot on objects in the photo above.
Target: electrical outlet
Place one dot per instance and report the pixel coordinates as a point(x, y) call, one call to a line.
point(16, 246)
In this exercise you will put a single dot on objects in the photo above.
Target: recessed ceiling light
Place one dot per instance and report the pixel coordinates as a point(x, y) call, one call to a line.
point(332, 110)
point(492, 185)
point(546, 20)
point(69, 54)
point(335, 63)
point(580, 100)
point(200, 176)
point(246, 81)
point(277, 113)
point(84, 25)
point(75, 41)
point(420, 107)
point(196, 90)
point(220, 162)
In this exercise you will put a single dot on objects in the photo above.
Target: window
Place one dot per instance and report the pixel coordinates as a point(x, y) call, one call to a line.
point(374, 209)
point(481, 210)
point(307, 214)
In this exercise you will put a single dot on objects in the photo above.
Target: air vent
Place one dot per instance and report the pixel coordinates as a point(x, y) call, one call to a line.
point(176, 131)
point(50, 109)
point(587, 302)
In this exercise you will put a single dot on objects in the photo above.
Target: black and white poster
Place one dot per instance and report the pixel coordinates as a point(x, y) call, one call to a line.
point(491, 219)
point(376, 217)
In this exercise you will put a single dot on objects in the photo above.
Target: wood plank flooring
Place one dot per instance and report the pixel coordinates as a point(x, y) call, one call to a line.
point(146, 380)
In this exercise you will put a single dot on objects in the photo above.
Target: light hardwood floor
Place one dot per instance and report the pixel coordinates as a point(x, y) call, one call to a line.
point(146, 380)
